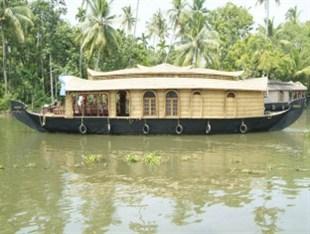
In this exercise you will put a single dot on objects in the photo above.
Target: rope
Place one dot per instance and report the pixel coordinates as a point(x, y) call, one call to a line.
point(42, 119)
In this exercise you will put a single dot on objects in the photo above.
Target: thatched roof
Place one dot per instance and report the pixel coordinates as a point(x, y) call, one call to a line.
point(76, 84)
point(162, 70)
point(276, 85)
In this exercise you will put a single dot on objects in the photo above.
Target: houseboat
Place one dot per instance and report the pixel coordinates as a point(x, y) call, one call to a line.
point(280, 94)
point(163, 99)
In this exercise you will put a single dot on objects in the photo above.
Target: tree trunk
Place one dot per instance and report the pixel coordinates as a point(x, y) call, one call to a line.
point(5, 77)
point(81, 62)
point(97, 60)
point(170, 46)
point(137, 14)
point(42, 73)
point(267, 14)
point(51, 78)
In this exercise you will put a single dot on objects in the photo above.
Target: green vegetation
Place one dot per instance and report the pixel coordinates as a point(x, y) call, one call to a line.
point(31, 165)
point(37, 45)
point(150, 159)
point(92, 158)
point(132, 158)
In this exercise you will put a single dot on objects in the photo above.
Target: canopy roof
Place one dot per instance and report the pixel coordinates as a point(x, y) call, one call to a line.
point(76, 84)
point(162, 70)
point(276, 85)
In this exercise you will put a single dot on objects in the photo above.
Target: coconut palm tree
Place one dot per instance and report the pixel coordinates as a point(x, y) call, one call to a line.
point(137, 15)
point(13, 20)
point(196, 42)
point(175, 15)
point(128, 21)
point(157, 27)
point(198, 6)
point(176, 12)
point(267, 10)
point(292, 15)
point(97, 32)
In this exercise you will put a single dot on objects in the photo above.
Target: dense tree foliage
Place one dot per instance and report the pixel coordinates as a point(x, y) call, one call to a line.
point(37, 45)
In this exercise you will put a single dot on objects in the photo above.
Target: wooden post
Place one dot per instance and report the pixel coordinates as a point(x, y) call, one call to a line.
point(68, 106)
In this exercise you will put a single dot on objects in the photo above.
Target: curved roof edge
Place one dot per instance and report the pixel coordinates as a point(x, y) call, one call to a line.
point(77, 84)
point(163, 69)
point(277, 85)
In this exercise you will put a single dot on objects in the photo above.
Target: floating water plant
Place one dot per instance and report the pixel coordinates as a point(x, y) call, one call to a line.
point(132, 158)
point(92, 158)
point(31, 165)
point(152, 159)
point(1, 167)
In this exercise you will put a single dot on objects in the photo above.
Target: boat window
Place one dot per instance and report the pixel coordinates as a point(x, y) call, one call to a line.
point(196, 93)
point(90, 105)
point(171, 103)
point(231, 95)
point(149, 103)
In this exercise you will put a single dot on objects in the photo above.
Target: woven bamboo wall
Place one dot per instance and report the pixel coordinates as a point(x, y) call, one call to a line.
point(185, 102)
point(213, 103)
point(250, 103)
point(161, 99)
point(136, 103)
point(210, 103)
point(112, 104)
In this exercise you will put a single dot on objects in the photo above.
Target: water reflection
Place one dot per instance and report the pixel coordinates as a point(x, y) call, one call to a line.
point(240, 183)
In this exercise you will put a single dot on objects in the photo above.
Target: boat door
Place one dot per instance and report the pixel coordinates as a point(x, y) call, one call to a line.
point(122, 104)
point(196, 104)
point(230, 104)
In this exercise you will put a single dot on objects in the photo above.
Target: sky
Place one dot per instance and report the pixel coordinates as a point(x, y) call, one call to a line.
point(149, 7)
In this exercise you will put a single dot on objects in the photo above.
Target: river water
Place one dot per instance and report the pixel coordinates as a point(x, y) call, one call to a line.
point(254, 183)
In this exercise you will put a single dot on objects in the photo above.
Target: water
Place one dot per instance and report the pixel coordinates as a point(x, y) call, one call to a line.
point(255, 183)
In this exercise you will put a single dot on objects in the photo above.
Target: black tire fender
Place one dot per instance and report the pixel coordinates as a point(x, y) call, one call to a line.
point(208, 128)
point(179, 129)
point(83, 129)
point(146, 129)
point(243, 128)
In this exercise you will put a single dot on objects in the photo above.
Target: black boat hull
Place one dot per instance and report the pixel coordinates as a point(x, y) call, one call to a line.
point(133, 126)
